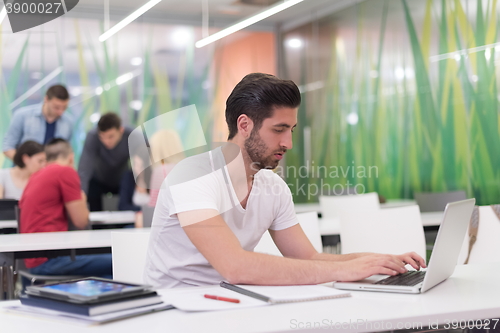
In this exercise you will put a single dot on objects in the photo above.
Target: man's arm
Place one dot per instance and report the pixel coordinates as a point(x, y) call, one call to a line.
point(13, 136)
point(78, 211)
point(213, 238)
point(10, 153)
point(85, 166)
point(292, 242)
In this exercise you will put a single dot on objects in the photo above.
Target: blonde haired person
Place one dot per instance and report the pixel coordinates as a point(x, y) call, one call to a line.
point(167, 151)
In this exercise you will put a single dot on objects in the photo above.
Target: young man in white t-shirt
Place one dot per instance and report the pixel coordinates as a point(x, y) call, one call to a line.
point(213, 208)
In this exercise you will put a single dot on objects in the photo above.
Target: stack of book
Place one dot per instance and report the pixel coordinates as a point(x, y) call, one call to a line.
point(93, 309)
point(91, 300)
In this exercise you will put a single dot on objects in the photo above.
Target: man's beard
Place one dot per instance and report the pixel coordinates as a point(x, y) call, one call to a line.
point(256, 148)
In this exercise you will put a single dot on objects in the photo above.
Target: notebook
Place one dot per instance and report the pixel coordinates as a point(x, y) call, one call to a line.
point(286, 294)
point(192, 299)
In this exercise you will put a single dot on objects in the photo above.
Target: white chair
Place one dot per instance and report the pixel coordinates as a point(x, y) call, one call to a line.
point(391, 231)
point(331, 205)
point(486, 248)
point(308, 222)
point(129, 254)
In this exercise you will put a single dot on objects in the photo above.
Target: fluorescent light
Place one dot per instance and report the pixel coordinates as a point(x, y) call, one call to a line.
point(181, 36)
point(94, 117)
point(352, 118)
point(3, 13)
point(124, 78)
point(126, 21)
point(247, 22)
point(36, 87)
point(136, 104)
point(399, 73)
point(136, 61)
point(295, 43)
point(75, 91)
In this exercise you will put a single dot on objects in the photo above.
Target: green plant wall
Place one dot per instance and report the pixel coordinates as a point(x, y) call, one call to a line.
point(407, 88)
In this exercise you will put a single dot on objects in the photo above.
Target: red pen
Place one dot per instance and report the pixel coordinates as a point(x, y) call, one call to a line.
point(220, 298)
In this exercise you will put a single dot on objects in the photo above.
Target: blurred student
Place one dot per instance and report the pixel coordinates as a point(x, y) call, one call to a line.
point(51, 197)
point(29, 158)
point(104, 159)
point(134, 189)
point(167, 151)
point(40, 123)
point(133, 192)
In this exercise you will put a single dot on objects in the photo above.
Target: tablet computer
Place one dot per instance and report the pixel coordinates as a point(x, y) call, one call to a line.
point(88, 290)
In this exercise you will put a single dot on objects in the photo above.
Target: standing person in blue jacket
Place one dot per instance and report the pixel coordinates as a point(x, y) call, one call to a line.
point(40, 123)
point(104, 160)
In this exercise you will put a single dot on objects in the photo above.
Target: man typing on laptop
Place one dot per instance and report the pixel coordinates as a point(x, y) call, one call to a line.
point(213, 208)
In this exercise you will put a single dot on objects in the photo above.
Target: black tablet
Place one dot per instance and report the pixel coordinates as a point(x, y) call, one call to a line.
point(88, 290)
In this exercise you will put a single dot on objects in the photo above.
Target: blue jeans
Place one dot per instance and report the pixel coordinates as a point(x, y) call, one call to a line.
point(98, 265)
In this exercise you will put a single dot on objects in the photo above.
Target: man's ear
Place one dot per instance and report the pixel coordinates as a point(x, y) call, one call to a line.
point(245, 125)
point(122, 130)
point(71, 159)
point(45, 99)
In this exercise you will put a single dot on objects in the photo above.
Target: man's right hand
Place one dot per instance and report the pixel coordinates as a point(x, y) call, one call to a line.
point(371, 264)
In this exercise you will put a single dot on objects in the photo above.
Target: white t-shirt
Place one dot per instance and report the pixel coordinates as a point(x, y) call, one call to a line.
point(202, 182)
point(10, 190)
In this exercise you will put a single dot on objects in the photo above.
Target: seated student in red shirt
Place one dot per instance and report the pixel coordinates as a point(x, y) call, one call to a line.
point(52, 195)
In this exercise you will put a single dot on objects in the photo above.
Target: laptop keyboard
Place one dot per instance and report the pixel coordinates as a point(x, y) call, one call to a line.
point(410, 278)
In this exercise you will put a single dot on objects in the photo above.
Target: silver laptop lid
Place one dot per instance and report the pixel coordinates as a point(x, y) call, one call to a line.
point(448, 242)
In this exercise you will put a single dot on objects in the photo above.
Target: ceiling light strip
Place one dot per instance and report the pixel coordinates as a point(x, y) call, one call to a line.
point(36, 87)
point(247, 22)
point(129, 19)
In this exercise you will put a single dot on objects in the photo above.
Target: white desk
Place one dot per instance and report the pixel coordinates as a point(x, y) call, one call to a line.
point(119, 217)
point(46, 244)
point(331, 227)
point(96, 218)
point(8, 224)
point(471, 293)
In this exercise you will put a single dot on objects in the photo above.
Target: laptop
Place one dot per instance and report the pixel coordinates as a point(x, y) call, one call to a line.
point(441, 264)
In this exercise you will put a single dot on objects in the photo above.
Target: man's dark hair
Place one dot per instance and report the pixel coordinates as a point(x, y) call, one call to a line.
point(257, 95)
point(29, 148)
point(56, 148)
point(108, 121)
point(58, 91)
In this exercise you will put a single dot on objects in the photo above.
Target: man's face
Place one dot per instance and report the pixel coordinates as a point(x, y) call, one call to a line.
point(267, 146)
point(111, 137)
point(55, 107)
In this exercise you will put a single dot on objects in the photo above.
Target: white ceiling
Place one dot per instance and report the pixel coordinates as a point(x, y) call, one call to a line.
point(221, 12)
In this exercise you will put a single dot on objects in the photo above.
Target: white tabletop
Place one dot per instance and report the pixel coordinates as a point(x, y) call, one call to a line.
point(82, 239)
point(8, 224)
point(118, 217)
point(471, 293)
